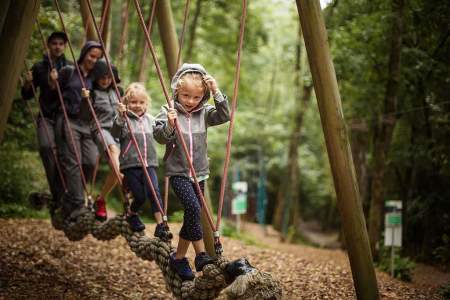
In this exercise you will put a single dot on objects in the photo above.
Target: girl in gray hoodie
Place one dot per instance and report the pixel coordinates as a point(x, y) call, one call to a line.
point(192, 87)
point(134, 105)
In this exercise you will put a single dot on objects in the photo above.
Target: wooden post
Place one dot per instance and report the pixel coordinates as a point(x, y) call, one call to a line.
point(168, 34)
point(91, 35)
point(338, 147)
point(16, 35)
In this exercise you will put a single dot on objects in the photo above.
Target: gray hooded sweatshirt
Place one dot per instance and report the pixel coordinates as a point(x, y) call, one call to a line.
point(143, 131)
point(193, 126)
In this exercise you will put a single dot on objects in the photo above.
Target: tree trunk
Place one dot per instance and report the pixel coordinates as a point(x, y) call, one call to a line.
point(338, 148)
point(359, 143)
point(143, 66)
point(385, 127)
point(16, 34)
point(124, 32)
point(4, 6)
point(193, 30)
point(292, 196)
point(91, 35)
point(168, 35)
point(105, 22)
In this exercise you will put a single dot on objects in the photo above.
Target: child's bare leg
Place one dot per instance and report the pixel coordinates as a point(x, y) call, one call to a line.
point(111, 180)
point(158, 217)
point(182, 248)
point(199, 246)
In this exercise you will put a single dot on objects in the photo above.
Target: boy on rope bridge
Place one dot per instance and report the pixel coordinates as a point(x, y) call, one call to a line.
point(192, 87)
point(104, 102)
point(39, 77)
point(82, 144)
point(134, 105)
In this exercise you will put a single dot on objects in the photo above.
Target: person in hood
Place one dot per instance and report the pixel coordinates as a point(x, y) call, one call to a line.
point(134, 105)
point(38, 78)
point(104, 101)
point(79, 122)
point(192, 87)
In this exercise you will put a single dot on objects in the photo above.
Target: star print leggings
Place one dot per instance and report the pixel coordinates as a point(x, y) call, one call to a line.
point(185, 190)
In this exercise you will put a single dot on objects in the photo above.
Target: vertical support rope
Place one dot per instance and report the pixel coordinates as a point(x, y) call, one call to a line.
point(233, 110)
point(177, 128)
point(66, 117)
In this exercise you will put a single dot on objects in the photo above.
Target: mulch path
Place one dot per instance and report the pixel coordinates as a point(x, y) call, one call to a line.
point(38, 262)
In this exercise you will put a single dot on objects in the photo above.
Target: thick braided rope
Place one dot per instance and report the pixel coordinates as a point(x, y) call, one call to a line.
point(254, 285)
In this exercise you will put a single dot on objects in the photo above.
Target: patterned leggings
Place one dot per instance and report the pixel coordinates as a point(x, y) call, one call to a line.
point(185, 190)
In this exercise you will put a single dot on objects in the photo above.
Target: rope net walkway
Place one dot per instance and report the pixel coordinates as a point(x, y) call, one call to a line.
point(241, 280)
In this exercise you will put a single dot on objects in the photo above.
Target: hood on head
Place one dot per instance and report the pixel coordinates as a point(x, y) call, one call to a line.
point(185, 69)
point(88, 46)
point(101, 69)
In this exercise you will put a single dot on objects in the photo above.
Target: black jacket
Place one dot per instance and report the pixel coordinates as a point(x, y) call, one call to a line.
point(49, 104)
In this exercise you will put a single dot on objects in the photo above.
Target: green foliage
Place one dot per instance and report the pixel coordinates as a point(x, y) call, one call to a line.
point(177, 216)
point(229, 230)
point(445, 291)
point(403, 266)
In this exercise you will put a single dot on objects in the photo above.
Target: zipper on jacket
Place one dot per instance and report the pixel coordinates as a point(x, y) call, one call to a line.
point(191, 151)
point(145, 140)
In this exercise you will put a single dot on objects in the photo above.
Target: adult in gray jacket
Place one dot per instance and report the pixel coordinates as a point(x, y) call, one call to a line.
point(191, 87)
point(71, 86)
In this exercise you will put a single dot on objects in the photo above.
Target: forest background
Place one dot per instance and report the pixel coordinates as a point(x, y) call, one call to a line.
point(398, 121)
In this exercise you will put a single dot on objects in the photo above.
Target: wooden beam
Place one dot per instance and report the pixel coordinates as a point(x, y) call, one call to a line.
point(16, 34)
point(338, 147)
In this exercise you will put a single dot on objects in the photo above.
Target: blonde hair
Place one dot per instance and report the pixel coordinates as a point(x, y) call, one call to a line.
point(195, 78)
point(136, 89)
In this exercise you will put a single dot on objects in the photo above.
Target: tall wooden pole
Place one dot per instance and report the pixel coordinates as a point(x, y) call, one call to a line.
point(168, 34)
point(91, 35)
point(338, 147)
point(16, 35)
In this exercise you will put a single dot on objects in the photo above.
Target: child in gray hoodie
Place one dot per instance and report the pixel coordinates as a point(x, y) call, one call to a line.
point(135, 102)
point(104, 102)
point(192, 87)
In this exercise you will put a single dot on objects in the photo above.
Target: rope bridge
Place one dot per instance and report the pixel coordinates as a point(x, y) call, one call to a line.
point(241, 280)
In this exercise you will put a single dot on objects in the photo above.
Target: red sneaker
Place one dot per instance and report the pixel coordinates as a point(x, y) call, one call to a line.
point(100, 209)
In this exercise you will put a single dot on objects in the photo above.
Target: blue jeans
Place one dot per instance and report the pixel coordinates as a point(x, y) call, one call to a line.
point(136, 181)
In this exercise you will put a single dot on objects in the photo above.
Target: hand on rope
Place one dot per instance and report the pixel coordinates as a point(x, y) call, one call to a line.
point(172, 117)
point(85, 93)
point(28, 79)
point(53, 78)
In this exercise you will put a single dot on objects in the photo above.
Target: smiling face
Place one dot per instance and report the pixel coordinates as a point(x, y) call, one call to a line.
point(91, 58)
point(136, 98)
point(191, 91)
point(137, 104)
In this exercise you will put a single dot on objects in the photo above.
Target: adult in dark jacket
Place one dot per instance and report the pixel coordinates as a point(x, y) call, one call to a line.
point(49, 105)
point(71, 87)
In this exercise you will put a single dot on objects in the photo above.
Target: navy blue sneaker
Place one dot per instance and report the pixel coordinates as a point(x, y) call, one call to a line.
point(135, 223)
point(201, 260)
point(181, 267)
point(162, 231)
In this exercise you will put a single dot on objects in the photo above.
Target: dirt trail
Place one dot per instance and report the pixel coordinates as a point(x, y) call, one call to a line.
point(38, 262)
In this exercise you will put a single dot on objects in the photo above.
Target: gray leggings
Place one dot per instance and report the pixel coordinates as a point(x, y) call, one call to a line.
point(74, 198)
